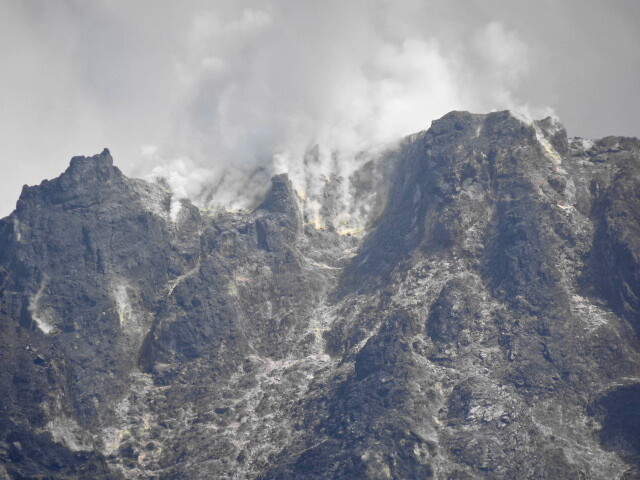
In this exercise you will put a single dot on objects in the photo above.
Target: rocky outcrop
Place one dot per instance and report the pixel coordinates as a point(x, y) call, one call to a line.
point(486, 326)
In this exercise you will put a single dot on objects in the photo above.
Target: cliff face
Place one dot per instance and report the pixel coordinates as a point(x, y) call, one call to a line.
point(486, 326)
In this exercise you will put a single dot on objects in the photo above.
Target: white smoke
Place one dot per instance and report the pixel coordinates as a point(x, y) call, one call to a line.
point(264, 83)
point(218, 96)
point(226, 86)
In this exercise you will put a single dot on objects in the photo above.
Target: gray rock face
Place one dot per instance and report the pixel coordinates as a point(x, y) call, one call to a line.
point(485, 327)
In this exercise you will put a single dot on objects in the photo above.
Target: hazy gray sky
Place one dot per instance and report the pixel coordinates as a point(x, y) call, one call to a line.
point(201, 89)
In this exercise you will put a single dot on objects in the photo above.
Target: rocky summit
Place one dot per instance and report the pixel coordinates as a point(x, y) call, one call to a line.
point(484, 326)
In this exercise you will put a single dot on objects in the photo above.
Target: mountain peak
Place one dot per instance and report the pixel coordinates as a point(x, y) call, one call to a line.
point(81, 165)
point(282, 199)
point(494, 302)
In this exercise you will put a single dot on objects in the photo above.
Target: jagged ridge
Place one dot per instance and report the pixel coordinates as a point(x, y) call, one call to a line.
point(483, 328)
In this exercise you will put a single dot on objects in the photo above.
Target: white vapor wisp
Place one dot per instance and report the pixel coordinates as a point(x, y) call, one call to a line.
point(272, 85)
point(218, 97)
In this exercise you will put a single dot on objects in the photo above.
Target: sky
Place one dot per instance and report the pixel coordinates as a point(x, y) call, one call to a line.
point(210, 94)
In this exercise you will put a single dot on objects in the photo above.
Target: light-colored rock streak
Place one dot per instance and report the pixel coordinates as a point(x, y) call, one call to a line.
point(171, 285)
point(549, 151)
point(42, 318)
point(123, 305)
point(66, 431)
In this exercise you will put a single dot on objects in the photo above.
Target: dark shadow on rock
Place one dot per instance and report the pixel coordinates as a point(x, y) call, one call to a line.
point(619, 415)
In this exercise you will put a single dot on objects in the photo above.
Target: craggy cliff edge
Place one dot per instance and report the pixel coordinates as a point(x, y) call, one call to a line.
point(485, 327)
